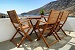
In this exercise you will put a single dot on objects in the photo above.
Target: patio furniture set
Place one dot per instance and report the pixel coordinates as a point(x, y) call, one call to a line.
point(55, 21)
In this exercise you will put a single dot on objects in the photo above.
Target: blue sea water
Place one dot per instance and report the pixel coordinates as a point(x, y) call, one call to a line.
point(30, 15)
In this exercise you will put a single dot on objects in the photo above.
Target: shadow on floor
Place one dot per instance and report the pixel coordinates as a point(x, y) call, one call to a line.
point(27, 45)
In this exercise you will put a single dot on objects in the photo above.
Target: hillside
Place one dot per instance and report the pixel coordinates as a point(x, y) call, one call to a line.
point(57, 5)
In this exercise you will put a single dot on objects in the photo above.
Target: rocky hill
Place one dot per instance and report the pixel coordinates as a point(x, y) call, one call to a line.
point(57, 5)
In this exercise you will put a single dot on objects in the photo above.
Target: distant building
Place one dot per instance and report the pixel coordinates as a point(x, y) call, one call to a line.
point(4, 16)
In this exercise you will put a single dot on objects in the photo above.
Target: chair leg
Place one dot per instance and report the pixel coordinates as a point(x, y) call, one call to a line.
point(20, 34)
point(57, 35)
point(45, 41)
point(50, 33)
point(40, 34)
point(18, 44)
point(48, 45)
point(63, 31)
point(13, 36)
point(29, 37)
point(39, 37)
point(21, 41)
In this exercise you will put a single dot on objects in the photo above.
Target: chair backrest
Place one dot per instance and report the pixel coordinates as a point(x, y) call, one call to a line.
point(53, 16)
point(64, 16)
point(13, 16)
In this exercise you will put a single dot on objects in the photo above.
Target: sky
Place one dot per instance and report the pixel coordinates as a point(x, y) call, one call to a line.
point(21, 5)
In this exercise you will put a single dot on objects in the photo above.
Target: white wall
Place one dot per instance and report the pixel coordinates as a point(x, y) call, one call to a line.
point(70, 24)
point(7, 30)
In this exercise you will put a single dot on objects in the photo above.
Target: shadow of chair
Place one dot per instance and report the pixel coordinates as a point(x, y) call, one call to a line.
point(20, 27)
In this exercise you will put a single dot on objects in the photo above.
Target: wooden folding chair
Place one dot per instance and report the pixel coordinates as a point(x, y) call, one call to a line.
point(63, 18)
point(20, 27)
point(51, 24)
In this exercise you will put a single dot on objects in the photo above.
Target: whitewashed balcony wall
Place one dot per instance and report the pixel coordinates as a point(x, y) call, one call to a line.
point(7, 30)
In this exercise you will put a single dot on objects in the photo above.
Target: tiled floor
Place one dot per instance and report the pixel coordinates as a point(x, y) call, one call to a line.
point(67, 43)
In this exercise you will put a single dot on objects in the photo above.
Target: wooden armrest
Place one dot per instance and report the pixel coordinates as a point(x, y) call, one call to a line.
point(25, 20)
point(28, 21)
point(43, 21)
point(19, 18)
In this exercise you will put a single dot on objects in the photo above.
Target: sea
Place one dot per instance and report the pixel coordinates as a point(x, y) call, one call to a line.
point(31, 15)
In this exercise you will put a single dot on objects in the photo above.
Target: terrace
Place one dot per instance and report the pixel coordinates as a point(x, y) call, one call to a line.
point(7, 30)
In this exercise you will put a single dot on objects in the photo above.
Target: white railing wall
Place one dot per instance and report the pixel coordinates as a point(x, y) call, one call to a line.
point(70, 24)
point(7, 30)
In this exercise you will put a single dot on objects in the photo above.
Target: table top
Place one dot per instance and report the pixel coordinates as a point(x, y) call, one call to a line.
point(35, 17)
point(32, 17)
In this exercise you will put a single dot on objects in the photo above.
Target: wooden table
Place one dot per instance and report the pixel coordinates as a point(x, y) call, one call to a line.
point(34, 26)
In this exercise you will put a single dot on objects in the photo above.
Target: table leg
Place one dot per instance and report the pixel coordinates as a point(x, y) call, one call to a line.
point(45, 19)
point(33, 29)
point(31, 32)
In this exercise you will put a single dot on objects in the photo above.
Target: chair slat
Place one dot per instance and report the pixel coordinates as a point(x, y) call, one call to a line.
point(53, 17)
point(13, 16)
